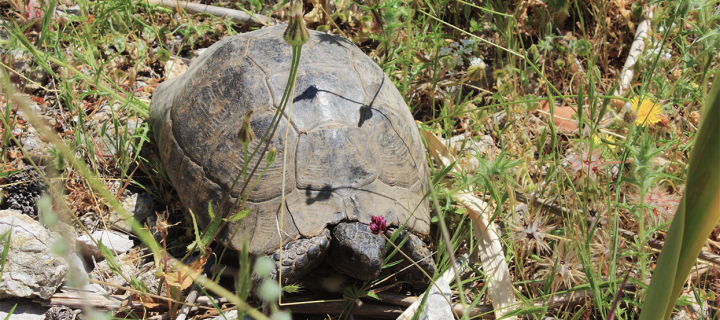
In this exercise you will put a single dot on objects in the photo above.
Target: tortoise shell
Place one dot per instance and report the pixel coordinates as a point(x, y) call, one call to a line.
point(353, 150)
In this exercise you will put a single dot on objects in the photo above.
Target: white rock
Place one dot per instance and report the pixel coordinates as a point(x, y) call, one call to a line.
point(32, 269)
point(117, 243)
point(102, 272)
point(436, 307)
point(25, 310)
point(231, 315)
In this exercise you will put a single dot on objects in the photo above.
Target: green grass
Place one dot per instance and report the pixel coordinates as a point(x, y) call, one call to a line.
point(637, 171)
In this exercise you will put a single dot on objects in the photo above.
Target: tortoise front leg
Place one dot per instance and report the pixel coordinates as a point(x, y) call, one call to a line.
point(419, 252)
point(299, 257)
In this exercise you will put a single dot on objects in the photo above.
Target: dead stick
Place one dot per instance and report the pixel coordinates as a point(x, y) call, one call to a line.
point(182, 315)
point(236, 16)
point(368, 309)
point(636, 49)
point(396, 298)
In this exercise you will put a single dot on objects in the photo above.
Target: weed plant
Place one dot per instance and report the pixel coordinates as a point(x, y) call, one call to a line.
point(471, 72)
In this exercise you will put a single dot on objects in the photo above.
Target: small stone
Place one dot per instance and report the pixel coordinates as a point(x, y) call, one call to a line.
point(117, 243)
point(230, 315)
point(61, 313)
point(140, 205)
point(174, 68)
point(436, 306)
point(33, 145)
point(35, 108)
point(32, 269)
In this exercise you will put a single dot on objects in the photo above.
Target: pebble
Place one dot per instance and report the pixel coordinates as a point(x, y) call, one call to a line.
point(116, 242)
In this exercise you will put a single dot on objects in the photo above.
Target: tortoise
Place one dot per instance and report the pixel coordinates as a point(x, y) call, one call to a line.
point(353, 152)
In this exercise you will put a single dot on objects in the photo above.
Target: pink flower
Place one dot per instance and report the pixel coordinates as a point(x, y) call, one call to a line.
point(585, 165)
point(377, 224)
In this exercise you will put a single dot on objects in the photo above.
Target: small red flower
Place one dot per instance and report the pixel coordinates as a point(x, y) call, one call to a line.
point(377, 224)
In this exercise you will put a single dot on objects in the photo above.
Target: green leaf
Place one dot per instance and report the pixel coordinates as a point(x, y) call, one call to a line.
point(138, 285)
point(6, 250)
point(119, 43)
point(291, 288)
point(202, 241)
point(373, 295)
point(583, 47)
point(338, 15)
point(697, 215)
point(211, 213)
point(392, 264)
point(10, 313)
point(162, 55)
point(240, 215)
point(113, 264)
point(443, 172)
point(8, 173)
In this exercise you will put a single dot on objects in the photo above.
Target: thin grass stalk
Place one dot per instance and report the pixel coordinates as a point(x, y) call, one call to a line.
point(54, 193)
point(294, 66)
point(448, 243)
point(137, 105)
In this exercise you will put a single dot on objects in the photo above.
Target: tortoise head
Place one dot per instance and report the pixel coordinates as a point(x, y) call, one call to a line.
point(356, 252)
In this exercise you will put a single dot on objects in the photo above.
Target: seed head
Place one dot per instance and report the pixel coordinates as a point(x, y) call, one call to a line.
point(530, 232)
point(661, 205)
point(568, 270)
point(271, 156)
point(246, 134)
point(296, 33)
point(585, 164)
point(477, 69)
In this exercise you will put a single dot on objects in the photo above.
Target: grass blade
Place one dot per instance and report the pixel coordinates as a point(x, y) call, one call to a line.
point(697, 214)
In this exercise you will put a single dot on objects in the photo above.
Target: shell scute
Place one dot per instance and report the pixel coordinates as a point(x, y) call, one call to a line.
point(313, 210)
point(334, 157)
point(322, 95)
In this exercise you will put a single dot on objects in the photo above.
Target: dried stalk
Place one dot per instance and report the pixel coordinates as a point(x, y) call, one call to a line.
point(235, 16)
point(636, 49)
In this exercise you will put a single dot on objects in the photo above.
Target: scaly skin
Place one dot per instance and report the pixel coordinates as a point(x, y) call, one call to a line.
point(353, 250)
point(299, 257)
point(419, 252)
point(356, 252)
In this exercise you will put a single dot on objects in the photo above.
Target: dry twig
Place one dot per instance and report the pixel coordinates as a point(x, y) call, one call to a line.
point(236, 16)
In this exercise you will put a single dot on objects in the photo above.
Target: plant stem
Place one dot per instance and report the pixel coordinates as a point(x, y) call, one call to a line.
point(296, 61)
